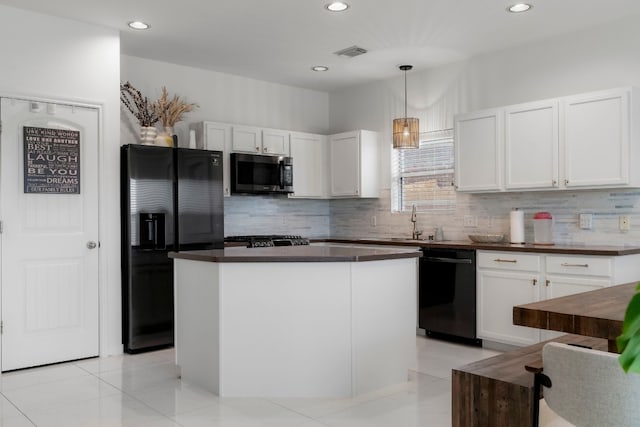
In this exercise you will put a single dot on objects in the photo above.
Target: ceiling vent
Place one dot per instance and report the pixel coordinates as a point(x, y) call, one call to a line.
point(351, 51)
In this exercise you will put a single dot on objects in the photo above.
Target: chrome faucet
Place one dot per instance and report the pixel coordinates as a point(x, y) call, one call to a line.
point(415, 235)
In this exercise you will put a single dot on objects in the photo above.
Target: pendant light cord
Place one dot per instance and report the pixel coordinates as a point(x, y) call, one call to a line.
point(405, 96)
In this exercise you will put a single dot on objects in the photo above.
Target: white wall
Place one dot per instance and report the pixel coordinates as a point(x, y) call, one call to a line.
point(52, 58)
point(599, 58)
point(225, 98)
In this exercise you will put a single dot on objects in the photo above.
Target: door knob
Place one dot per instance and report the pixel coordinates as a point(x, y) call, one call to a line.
point(91, 244)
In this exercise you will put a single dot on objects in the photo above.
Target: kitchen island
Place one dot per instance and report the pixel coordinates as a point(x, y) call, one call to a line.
point(296, 321)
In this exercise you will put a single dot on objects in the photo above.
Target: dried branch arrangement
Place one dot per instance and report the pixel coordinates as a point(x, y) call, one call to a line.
point(171, 111)
point(141, 108)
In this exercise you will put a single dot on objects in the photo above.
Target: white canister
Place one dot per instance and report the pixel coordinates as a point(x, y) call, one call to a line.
point(542, 228)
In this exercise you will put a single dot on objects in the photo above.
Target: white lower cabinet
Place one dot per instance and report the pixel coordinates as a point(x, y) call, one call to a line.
point(507, 279)
point(498, 292)
point(556, 286)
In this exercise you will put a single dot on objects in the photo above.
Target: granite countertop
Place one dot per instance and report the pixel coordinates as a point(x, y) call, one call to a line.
point(297, 254)
point(576, 249)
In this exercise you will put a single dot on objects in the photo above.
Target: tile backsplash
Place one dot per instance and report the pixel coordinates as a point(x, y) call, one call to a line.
point(490, 213)
point(480, 212)
point(244, 215)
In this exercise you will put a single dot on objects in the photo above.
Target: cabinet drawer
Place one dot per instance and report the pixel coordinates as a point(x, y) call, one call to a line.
point(514, 261)
point(580, 265)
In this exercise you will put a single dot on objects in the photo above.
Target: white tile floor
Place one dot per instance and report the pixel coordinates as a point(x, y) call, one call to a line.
point(143, 390)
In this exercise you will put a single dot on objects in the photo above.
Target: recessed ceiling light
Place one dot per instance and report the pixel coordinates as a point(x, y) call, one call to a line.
point(320, 68)
point(519, 7)
point(139, 25)
point(337, 6)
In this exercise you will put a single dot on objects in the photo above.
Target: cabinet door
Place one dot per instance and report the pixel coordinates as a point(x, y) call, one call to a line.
point(595, 132)
point(531, 145)
point(344, 152)
point(217, 137)
point(247, 139)
point(275, 142)
point(309, 160)
point(478, 151)
point(498, 293)
point(561, 286)
point(369, 179)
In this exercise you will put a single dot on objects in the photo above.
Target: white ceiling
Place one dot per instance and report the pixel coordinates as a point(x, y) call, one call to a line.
point(279, 40)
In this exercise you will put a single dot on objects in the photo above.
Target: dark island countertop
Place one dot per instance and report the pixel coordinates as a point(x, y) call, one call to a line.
point(576, 249)
point(297, 254)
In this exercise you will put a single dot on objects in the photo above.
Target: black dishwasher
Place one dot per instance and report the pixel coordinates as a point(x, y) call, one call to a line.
point(447, 294)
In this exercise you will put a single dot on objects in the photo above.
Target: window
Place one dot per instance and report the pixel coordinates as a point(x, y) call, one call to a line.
point(424, 177)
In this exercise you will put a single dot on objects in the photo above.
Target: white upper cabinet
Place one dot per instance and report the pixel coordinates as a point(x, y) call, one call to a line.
point(217, 137)
point(353, 162)
point(596, 137)
point(345, 165)
point(531, 146)
point(256, 140)
point(247, 139)
point(478, 150)
point(582, 141)
point(275, 141)
point(309, 153)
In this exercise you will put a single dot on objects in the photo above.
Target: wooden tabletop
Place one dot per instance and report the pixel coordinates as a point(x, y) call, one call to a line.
point(598, 313)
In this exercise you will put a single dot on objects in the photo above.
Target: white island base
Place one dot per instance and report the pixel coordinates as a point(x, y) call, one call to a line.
point(295, 329)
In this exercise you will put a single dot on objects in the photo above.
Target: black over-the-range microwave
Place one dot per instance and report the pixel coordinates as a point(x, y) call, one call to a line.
point(260, 174)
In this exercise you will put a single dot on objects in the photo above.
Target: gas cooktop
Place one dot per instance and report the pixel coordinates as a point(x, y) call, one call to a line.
point(268, 240)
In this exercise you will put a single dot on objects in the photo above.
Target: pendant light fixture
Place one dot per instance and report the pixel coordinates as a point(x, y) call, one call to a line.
point(406, 131)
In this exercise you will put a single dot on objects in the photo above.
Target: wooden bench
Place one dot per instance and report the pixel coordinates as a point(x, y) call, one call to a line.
point(498, 391)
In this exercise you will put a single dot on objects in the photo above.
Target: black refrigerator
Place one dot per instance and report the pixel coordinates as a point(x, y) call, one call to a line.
point(171, 200)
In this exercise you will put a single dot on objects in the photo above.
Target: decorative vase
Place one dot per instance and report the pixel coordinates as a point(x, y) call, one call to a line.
point(164, 140)
point(148, 135)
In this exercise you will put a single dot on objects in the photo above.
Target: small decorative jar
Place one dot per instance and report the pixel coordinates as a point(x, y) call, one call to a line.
point(164, 140)
point(172, 135)
point(148, 135)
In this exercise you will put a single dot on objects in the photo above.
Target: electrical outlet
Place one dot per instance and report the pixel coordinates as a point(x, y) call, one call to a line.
point(624, 223)
point(586, 221)
point(470, 221)
point(373, 220)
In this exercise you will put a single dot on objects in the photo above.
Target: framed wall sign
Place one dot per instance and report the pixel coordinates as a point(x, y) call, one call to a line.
point(51, 160)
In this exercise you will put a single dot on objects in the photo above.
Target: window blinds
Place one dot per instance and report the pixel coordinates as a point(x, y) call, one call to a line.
point(426, 174)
